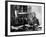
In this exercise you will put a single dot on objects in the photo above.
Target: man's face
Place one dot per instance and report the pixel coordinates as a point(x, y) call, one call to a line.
point(33, 14)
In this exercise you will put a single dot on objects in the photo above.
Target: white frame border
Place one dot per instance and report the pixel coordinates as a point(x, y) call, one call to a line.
point(28, 32)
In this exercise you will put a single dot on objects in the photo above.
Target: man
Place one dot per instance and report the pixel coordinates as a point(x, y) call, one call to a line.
point(35, 21)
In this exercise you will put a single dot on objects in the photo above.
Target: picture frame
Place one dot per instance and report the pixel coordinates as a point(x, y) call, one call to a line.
point(8, 4)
